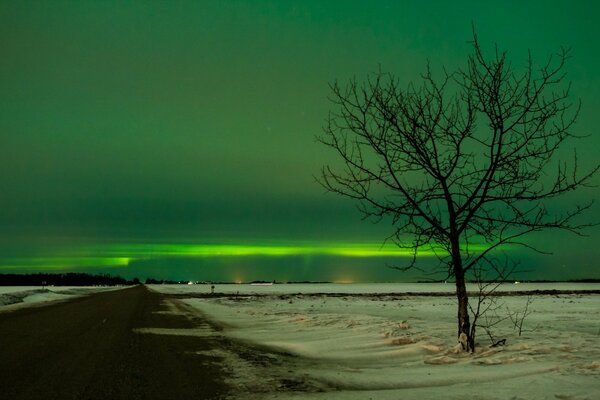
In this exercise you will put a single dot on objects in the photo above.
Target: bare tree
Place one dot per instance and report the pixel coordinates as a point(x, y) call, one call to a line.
point(463, 164)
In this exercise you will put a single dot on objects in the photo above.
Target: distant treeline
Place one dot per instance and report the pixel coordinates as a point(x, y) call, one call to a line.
point(152, 281)
point(65, 279)
point(584, 280)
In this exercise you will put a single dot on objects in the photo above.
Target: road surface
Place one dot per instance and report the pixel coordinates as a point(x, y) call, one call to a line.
point(91, 348)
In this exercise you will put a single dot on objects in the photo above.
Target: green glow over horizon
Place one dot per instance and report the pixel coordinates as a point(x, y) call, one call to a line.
point(163, 138)
point(121, 255)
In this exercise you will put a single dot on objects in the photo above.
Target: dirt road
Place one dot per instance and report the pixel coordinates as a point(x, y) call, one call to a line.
point(91, 348)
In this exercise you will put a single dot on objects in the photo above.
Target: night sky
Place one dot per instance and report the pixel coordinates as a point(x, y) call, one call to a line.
point(177, 139)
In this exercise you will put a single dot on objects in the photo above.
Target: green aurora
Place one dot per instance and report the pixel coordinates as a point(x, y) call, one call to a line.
point(135, 259)
point(122, 255)
point(177, 139)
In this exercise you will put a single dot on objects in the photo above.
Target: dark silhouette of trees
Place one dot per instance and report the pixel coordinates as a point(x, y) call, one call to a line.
point(470, 157)
point(64, 279)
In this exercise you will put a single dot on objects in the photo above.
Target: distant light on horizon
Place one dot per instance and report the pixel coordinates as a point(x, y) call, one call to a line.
point(343, 281)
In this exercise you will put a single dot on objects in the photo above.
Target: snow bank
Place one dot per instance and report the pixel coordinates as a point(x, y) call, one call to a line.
point(21, 296)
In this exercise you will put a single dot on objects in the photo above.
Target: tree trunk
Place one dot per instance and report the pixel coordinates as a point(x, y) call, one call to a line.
point(464, 325)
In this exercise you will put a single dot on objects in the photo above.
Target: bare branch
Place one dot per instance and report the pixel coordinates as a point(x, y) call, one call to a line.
point(461, 162)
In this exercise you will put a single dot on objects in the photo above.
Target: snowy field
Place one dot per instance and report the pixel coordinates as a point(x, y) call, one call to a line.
point(12, 297)
point(394, 346)
point(362, 288)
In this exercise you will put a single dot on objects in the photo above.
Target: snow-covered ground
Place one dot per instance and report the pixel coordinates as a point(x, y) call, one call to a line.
point(401, 347)
point(12, 297)
point(362, 288)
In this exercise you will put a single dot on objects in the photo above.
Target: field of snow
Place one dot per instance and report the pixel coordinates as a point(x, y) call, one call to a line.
point(362, 288)
point(394, 346)
point(21, 296)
